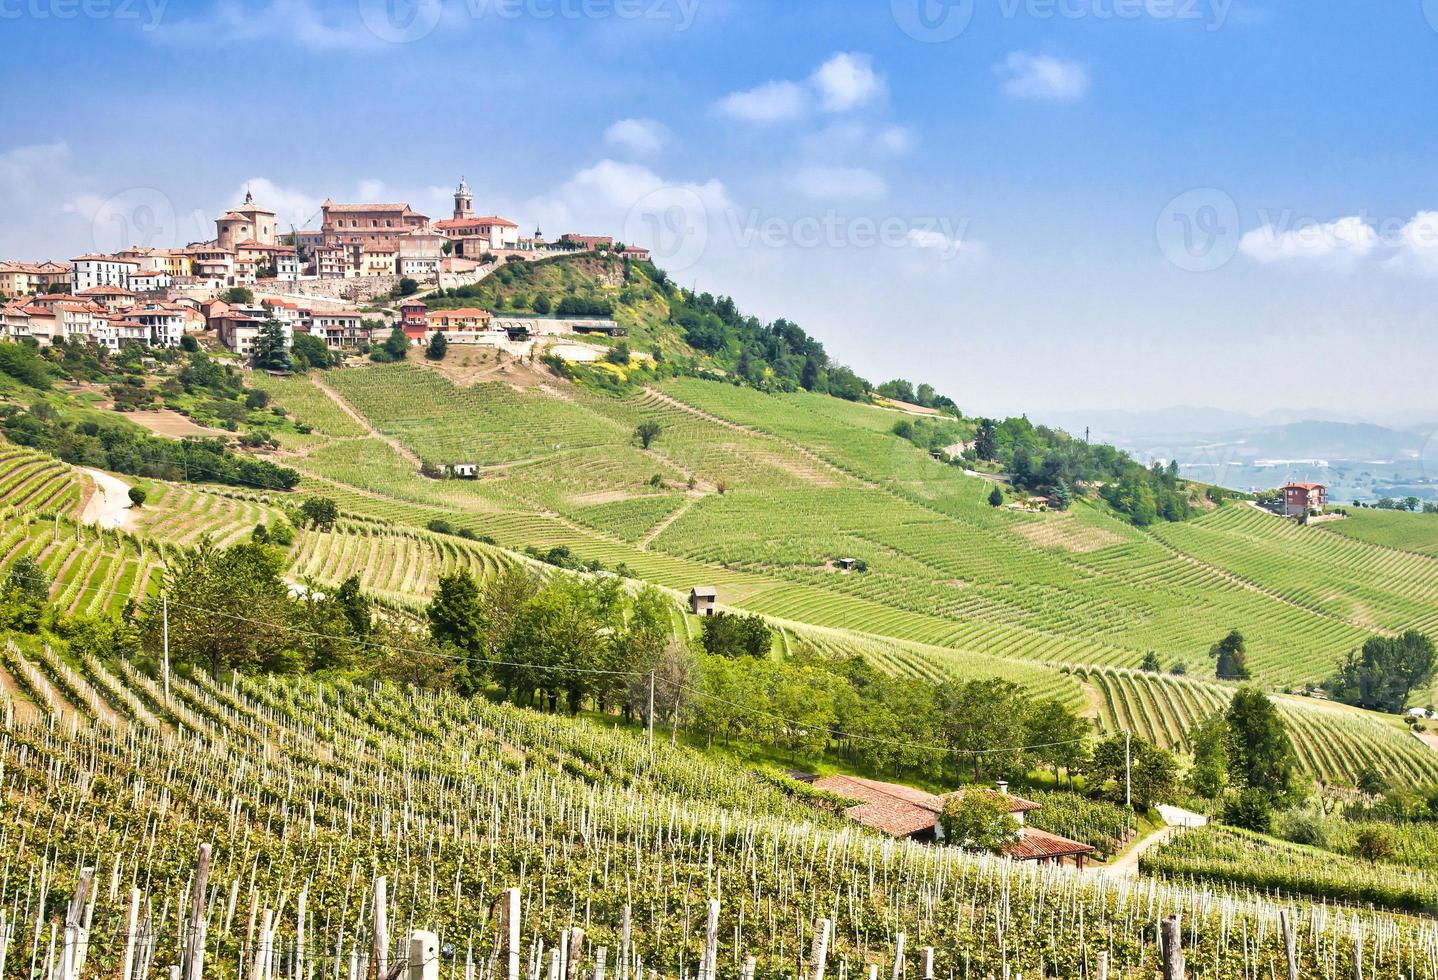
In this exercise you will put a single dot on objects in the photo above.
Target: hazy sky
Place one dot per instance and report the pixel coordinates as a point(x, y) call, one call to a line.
point(1032, 204)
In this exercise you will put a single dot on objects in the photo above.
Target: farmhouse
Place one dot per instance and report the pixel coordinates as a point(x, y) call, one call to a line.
point(903, 811)
point(702, 599)
point(1302, 498)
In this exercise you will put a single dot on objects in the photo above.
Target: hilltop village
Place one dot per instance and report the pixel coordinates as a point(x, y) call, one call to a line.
point(308, 281)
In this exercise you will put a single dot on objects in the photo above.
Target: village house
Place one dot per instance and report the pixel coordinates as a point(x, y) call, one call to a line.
point(164, 325)
point(412, 316)
point(15, 321)
point(586, 242)
point(460, 321)
point(90, 271)
point(151, 281)
point(1300, 499)
point(110, 297)
point(27, 279)
point(906, 812)
point(328, 261)
point(702, 600)
point(339, 328)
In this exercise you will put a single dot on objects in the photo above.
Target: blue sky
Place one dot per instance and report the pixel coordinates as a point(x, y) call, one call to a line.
point(1033, 204)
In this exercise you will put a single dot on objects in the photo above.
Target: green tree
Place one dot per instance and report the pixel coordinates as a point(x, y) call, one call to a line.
point(618, 354)
point(229, 609)
point(983, 724)
point(1208, 775)
point(1260, 753)
point(137, 496)
point(1154, 771)
point(272, 349)
point(1384, 675)
point(356, 607)
point(1231, 657)
point(986, 440)
point(438, 346)
point(309, 351)
point(646, 432)
point(996, 497)
point(1251, 809)
point(978, 820)
point(454, 615)
point(732, 635)
point(1059, 737)
point(320, 512)
point(238, 296)
point(26, 581)
point(1151, 663)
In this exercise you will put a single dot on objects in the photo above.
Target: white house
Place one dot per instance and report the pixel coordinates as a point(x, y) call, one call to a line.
point(91, 271)
point(339, 328)
point(164, 327)
point(151, 282)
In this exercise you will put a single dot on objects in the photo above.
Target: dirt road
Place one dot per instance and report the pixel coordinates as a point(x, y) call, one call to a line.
point(109, 505)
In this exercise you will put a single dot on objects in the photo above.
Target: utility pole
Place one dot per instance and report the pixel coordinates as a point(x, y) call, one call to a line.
point(651, 711)
point(165, 634)
point(1128, 768)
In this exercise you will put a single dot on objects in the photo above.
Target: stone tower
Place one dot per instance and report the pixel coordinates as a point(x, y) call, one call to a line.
point(463, 202)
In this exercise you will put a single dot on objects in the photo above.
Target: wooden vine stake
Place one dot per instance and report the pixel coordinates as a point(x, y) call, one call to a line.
point(132, 926)
point(709, 965)
point(927, 958)
point(1290, 942)
point(379, 941)
point(77, 938)
point(819, 952)
point(1101, 973)
point(509, 933)
point(1357, 954)
point(193, 965)
point(1174, 967)
point(899, 956)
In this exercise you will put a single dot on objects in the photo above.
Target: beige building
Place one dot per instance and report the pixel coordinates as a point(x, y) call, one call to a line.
point(89, 271)
point(247, 223)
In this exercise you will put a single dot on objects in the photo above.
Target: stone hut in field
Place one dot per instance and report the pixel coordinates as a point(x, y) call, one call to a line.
point(703, 599)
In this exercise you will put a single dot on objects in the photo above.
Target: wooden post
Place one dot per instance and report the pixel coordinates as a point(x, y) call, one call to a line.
point(300, 910)
point(709, 965)
point(1290, 942)
point(819, 952)
point(423, 956)
point(899, 956)
point(927, 958)
point(132, 923)
point(626, 936)
point(574, 954)
point(749, 965)
point(1357, 954)
point(379, 942)
point(76, 937)
point(5, 941)
point(599, 959)
point(1101, 973)
point(1173, 966)
point(193, 957)
point(509, 933)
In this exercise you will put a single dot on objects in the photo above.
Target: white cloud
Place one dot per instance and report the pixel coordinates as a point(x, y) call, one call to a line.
point(897, 140)
point(947, 243)
point(846, 81)
point(598, 199)
point(842, 182)
point(302, 23)
point(642, 137)
point(1341, 244)
point(1418, 246)
point(771, 102)
point(1043, 78)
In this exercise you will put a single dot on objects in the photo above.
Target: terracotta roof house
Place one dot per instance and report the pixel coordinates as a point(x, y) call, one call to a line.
point(1300, 498)
point(903, 811)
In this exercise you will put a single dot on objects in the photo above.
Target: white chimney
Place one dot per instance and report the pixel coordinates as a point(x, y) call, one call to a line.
point(1004, 786)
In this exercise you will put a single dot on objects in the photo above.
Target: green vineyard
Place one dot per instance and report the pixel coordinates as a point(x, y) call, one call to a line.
point(1335, 743)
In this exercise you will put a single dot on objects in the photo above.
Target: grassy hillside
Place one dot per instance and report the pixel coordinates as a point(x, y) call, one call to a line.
point(1396, 529)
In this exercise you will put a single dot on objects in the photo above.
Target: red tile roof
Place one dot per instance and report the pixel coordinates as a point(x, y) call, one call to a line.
point(902, 810)
point(1303, 486)
point(1040, 845)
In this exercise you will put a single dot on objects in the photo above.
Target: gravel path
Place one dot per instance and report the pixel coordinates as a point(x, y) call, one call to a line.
point(109, 505)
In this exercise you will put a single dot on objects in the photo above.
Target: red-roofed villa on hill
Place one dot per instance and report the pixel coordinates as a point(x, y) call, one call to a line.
point(1304, 498)
point(903, 811)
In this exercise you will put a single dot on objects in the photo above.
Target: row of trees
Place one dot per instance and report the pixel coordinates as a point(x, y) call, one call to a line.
point(1386, 672)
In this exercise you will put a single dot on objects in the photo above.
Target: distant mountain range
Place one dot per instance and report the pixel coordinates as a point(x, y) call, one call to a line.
point(1360, 460)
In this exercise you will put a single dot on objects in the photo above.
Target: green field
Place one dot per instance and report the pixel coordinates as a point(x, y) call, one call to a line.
point(1396, 529)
